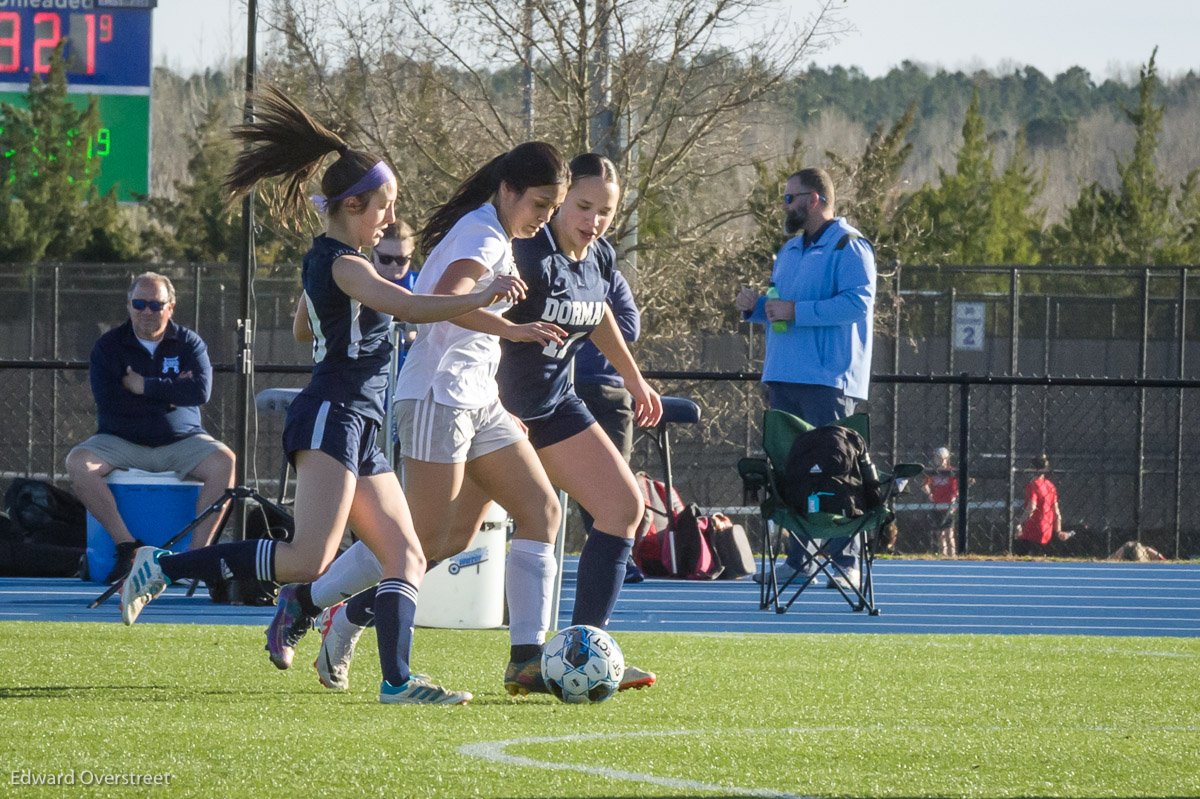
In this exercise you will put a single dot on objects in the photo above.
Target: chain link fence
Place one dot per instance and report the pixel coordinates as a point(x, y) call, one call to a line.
point(1121, 446)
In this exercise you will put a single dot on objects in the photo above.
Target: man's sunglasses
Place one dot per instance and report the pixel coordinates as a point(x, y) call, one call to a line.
point(398, 260)
point(154, 305)
point(787, 198)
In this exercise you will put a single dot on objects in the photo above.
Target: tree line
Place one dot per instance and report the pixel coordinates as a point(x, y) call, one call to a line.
point(689, 121)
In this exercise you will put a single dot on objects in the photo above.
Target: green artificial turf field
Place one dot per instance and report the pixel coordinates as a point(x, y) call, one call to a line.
point(732, 715)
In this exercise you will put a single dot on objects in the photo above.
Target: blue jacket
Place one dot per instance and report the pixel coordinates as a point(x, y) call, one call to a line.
point(590, 365)
point(170, 409)
point(829, 343)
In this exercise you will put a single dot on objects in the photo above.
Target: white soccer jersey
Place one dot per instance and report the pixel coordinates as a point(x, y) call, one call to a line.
point(459, 364)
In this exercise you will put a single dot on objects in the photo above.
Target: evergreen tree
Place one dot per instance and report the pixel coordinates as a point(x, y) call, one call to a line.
point(199, 226)
point(1145, 219)
point(1186, 246)
point(55, 211)
point(868, 187)
point(955, 214)
point(1014, 227)
point(1140, 222)
point(974, 216)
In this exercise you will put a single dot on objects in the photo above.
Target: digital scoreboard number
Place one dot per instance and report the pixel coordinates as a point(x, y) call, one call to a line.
point(108, 54)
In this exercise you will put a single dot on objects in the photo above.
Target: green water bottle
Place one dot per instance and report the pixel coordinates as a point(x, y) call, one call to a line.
point(773, 294)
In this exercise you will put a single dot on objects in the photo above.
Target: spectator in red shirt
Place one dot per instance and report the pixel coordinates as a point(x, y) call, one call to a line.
point(1042, 521)
point(941, 487)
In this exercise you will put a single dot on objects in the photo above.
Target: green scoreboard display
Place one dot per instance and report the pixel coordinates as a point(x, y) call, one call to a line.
point(108, 55)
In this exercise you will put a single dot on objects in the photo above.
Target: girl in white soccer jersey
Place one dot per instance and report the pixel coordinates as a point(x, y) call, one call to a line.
point(456, 436)
point(587, 466)
point(341, 474)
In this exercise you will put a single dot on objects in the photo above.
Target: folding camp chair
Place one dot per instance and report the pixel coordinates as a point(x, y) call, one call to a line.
point(676, 410)
point(815, 532)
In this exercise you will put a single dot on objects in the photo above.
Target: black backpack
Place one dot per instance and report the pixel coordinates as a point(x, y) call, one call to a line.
point(47, 513)
point(828, 470)
point(262, 521)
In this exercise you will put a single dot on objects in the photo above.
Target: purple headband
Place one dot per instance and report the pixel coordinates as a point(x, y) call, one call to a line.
point(376, 177)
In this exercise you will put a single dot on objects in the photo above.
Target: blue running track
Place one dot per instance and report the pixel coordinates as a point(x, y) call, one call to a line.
point(980, 597)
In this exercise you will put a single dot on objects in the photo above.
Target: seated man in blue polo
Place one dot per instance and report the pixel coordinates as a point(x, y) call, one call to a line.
point(149, 378)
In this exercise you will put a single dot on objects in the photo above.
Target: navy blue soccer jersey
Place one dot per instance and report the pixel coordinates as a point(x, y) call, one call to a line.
point(533, 378)
point(352, 346)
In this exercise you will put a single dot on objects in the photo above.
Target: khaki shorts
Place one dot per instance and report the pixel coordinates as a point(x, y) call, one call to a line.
point(435, 433)
point(180, 457)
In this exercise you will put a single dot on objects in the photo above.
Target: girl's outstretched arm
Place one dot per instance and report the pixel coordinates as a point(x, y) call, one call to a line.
point(356, 277)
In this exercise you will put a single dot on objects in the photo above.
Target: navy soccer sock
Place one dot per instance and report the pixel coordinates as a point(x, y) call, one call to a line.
point(601, 573)
point(360, 608)
point(254, 559)
point(395, 608)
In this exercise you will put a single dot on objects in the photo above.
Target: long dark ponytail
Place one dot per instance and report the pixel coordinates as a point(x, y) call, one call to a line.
point(533, 163)
point(285, 141)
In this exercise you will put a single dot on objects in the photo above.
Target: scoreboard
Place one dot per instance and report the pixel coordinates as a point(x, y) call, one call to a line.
point(108, 54)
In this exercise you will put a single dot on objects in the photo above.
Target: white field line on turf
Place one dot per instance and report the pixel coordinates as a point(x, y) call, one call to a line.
point(494, 751)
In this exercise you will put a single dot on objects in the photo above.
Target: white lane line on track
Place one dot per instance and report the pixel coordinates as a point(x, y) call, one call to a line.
point(730, 607)
point(635, 625)
point(494, 751)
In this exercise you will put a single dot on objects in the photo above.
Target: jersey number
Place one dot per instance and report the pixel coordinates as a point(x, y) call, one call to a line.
point(560, 351)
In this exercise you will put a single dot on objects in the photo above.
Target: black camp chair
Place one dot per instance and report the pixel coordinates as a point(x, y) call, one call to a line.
point(815, 532)
point(676, 410)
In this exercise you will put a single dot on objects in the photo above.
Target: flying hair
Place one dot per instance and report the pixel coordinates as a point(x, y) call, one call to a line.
point(285, 142)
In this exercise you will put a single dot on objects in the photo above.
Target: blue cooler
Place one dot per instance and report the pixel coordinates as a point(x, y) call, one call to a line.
point(154, 505)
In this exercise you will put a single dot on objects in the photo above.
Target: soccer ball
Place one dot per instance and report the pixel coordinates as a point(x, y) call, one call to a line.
point(582, 664)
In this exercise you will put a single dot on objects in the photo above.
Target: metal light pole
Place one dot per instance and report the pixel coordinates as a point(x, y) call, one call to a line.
point(527, 88)
point(245, 321)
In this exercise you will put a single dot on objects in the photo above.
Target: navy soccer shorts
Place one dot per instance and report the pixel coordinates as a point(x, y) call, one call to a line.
point(347, 437)
point(569, 417)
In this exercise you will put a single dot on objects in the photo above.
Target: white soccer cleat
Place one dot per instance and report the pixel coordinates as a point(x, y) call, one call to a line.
point(636, 678)
point(337, 649)
point(145, 581)
point(421, 692)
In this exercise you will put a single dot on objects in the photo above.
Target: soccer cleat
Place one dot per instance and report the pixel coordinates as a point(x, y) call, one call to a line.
point(287, 628)
point(636, 678)
point(145, 581)
point(417, 691)
point(337, 650)
point(522, 679)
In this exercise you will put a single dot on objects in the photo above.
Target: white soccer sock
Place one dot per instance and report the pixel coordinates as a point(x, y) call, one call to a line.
point(529, 583)
point(355, 570)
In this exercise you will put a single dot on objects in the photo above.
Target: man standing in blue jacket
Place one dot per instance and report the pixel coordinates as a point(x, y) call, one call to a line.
point(819, 329)
point(149, 378)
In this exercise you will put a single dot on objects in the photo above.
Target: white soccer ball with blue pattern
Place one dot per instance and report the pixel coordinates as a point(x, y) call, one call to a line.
point(582, 664)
